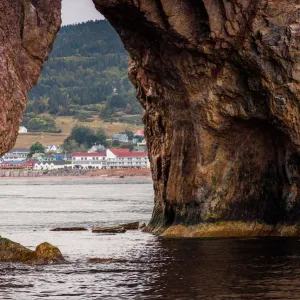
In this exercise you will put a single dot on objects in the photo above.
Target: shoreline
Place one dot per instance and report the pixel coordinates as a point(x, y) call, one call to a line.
point(78, 173)
point(74, 180)
point(219, 230)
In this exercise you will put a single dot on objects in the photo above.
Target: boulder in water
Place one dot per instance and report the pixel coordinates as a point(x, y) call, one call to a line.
point(105, 260)
point(69, 229)
point(112, 229)
point(131, 226)
point(142, 226)
point(44, 253)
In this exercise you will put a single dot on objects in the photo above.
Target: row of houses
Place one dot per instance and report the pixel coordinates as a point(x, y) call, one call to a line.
point(109, 159)
point(21, 154)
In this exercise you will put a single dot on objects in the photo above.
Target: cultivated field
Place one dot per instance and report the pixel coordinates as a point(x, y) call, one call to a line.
point(66, 124)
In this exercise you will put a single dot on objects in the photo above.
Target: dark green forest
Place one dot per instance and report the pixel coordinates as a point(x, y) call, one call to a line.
point(86, 74)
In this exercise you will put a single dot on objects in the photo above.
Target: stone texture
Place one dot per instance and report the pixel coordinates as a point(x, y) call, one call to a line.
point(219, 82)
point(44, 253)
point(27, 31)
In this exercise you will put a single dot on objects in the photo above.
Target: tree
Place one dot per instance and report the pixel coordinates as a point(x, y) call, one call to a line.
point(101, 137)
point(72, 146)
point(86, 136)
point(37, 147)
point(79, 72)
point(37, 123)
point(130, 134)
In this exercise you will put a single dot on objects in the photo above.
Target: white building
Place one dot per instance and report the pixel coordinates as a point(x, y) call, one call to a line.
point(84, 160)
point(124, 158)
point(23, 129)
point(51, 165)
point(16, 154)
point(111, 159)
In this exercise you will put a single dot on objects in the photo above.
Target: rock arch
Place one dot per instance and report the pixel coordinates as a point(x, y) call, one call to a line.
point(219, 81)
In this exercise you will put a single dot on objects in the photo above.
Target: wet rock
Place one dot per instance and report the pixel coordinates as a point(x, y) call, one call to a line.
point(142, 226)
point(112, 229)
point(44, 253)
point(105, 260)
point(131, 226)
point(69, 229)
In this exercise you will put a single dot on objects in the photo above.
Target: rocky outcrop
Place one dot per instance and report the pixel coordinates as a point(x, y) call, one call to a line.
point(27, 31)
point(44, 253)
point(219, 82)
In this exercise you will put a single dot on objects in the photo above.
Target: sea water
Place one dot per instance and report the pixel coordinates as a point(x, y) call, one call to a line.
point(151, 267)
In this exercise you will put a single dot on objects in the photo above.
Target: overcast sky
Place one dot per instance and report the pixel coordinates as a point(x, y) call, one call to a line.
point(76, 11)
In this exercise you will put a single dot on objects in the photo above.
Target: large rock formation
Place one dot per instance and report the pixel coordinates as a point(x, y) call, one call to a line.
point(27, 30)
point(219, 82)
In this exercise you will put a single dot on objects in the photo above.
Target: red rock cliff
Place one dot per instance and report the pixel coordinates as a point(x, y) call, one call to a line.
point(27, 31)
point(219, 82)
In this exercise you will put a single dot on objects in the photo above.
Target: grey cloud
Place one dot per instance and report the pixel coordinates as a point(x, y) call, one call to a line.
point(76, 11)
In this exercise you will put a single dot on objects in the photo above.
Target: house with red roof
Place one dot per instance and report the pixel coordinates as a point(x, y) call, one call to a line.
point(140, 132)
point(111, 159)
point(124, 158)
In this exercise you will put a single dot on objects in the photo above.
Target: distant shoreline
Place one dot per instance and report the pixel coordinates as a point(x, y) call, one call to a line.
point(73, 180)
point(77, 173)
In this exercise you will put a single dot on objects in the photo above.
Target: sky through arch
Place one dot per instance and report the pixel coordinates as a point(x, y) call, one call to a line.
point(77, 11)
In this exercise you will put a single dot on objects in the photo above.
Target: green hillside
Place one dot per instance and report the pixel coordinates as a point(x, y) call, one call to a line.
point(86, 75)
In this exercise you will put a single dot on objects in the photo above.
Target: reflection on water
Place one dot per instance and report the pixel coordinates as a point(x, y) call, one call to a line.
point(155, 268)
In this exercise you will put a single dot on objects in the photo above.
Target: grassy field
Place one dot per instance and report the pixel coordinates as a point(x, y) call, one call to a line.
point(66, 124)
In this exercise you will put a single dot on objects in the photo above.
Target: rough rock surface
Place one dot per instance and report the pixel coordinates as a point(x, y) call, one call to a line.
point(27, 31)
point(44, 253)
point(219, 82)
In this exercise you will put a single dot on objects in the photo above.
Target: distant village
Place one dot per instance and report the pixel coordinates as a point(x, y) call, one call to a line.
point(97, 157)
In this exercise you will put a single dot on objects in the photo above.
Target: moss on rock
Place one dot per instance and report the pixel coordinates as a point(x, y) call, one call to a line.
point(230, 230)
point(44, 253)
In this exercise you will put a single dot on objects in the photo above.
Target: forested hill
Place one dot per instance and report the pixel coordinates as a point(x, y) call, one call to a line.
point(86, 72)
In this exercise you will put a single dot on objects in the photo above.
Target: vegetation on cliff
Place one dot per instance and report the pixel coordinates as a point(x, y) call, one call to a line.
point(86, 74)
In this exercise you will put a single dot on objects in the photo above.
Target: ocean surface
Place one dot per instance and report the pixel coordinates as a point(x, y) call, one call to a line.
point(154, 268)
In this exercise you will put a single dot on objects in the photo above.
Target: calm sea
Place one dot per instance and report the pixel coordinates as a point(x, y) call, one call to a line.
point(155, 268)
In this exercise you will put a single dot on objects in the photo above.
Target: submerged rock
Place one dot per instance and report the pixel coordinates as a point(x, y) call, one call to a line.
point(112, 229)
point(105, 260)
point(44, 253)
point(142, 226)
point(69, 229)
point(131, 226)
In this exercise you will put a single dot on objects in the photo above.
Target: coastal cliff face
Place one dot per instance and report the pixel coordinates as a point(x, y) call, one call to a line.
point(27, 30)
point(219, 82)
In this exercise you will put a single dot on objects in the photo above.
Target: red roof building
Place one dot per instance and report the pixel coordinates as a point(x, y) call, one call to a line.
point(86, 154)
point(140, 132)
point(126, 153)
